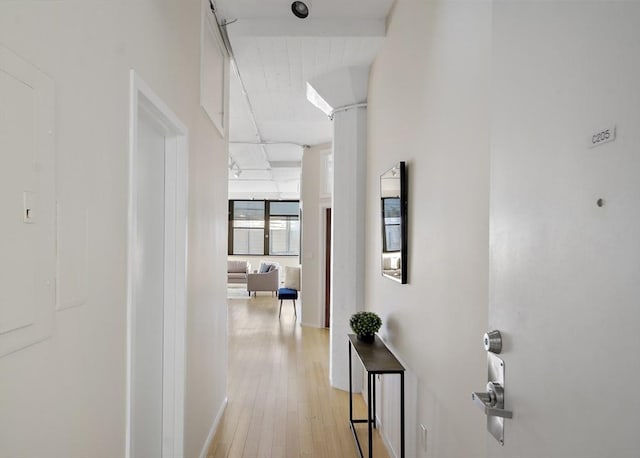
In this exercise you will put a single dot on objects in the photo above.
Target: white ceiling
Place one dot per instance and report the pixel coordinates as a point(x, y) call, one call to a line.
point(368, 9)
point(275, 55)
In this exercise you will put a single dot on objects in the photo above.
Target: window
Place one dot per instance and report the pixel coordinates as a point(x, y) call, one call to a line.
point(391, 238)
point(247, 227)
point(264, 227)
point(284, 228)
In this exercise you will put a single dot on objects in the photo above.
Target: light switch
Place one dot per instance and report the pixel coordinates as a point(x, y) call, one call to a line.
point(28, 214)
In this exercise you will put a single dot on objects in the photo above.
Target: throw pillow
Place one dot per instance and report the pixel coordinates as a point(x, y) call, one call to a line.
point(292, 278)
point(263, 268)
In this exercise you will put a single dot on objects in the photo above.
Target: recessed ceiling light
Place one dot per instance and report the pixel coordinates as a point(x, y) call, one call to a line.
point(300, 9)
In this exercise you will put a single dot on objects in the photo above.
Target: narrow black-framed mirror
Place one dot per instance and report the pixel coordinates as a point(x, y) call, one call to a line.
point(393, 205)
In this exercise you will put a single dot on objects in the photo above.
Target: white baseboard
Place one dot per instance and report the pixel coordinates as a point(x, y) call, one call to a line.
point(214, 428)
point(385, 439)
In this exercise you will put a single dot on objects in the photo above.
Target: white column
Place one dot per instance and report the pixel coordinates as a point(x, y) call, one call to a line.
point(314, 197)
point(347, 283)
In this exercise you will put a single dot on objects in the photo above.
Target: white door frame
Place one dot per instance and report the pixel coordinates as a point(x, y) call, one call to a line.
point(142, 98)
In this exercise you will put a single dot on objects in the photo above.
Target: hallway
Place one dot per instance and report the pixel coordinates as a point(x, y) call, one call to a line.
point(280, 401)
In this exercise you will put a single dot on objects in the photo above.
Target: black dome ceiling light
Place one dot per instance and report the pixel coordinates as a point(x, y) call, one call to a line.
point(300, 9)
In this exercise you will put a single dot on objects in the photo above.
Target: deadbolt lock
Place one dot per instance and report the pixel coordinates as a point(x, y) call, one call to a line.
point(492, 341)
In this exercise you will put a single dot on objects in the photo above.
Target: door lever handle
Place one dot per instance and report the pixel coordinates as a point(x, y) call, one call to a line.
point(492, 402)
point(482, 401)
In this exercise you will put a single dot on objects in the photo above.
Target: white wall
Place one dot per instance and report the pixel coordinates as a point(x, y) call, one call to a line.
point(429, 106)
point(66, 395)
point(314, 201)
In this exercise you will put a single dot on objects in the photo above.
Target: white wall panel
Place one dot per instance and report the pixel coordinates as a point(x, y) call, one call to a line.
point(27, 204)
point(213, 73)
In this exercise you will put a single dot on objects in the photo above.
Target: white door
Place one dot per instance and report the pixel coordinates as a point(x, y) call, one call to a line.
point(565, 265)
point(148, 290)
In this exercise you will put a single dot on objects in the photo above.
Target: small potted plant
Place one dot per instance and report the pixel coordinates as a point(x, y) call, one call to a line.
point(365, 325)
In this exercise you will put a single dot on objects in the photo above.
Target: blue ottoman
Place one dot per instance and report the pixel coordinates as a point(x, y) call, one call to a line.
point(286, 293)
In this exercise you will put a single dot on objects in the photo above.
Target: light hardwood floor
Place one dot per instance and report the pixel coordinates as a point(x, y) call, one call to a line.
point(280, 401)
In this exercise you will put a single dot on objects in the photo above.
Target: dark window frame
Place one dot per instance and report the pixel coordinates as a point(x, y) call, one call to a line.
point(233, 227)
point(266, 228)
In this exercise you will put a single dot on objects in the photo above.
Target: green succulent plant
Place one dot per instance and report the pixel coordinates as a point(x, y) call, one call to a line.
point(365, 323)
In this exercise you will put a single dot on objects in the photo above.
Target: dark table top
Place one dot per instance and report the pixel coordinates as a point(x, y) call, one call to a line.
point(376, 357)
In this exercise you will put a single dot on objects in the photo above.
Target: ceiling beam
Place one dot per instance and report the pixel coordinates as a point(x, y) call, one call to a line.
point(322, 27)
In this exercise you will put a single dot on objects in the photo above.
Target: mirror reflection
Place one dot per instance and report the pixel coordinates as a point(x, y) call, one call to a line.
point(393, 197)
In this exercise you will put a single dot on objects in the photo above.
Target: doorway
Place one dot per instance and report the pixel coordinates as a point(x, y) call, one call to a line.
point(156, 302)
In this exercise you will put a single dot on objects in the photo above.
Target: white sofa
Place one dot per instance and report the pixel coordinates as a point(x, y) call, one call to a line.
point(265, 281)
point(237, 271)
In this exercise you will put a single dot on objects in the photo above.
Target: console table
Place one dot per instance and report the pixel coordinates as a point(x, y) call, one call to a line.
point(376, 359)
